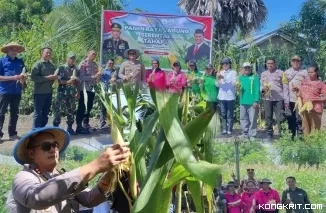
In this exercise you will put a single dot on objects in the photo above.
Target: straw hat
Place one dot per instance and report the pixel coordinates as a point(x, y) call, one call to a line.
point(126, 52)
point(20, 149)
point(18, 47)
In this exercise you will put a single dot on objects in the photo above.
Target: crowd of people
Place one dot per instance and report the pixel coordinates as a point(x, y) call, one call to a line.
point(276, 91)
point(41, 186)
point(254, 196)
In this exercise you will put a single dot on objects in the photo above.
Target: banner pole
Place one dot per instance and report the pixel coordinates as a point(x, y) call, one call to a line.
point(212, 7)
point(101, 34)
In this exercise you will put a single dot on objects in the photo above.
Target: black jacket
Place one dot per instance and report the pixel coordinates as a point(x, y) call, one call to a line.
point(203, 51)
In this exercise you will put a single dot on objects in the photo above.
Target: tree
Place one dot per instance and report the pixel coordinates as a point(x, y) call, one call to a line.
point(229, 15)
point(79, 21)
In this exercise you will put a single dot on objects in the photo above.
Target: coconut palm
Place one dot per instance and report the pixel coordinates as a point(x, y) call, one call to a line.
point(229, 15)
point(78, 21)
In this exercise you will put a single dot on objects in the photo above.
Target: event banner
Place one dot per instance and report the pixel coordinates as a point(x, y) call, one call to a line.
point(167, 38)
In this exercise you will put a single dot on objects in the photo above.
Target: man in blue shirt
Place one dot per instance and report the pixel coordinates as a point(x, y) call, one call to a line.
point(11, 85)
point(109, 78)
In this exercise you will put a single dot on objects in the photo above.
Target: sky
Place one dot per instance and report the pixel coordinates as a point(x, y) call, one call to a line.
point(279, 11)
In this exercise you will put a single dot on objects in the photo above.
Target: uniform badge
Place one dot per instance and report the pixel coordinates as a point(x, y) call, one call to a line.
point(122, 46)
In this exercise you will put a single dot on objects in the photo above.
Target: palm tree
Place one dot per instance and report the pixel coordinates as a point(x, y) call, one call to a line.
point(79, 22)
point(229, 15)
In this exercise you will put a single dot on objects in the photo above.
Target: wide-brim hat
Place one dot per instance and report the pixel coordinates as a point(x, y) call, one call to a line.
point(231, 183)
point(6, 47)
point(265, 180)
point(126, 52)
point(20, 149)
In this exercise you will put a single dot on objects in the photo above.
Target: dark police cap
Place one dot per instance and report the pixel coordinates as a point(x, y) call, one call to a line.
point(116, 26)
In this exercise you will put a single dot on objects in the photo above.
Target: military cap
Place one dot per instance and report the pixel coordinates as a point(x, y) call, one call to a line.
point(116, 26)
point(296, 57)
point(71, 54)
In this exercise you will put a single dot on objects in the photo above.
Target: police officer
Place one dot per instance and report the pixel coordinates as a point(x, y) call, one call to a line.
point(41, 187)
point(67, 92)
point(114, 47)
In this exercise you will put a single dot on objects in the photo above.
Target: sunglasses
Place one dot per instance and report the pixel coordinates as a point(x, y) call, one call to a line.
point(111, 63)
point(46, 146)
point(176, 65)
point(132, 53)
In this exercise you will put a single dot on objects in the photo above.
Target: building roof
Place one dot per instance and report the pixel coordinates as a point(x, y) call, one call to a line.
point(258, 39)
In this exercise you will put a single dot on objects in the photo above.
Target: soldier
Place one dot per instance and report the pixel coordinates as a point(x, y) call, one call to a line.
point(114, 47)
point(88, 76)
point(43, 78)
point(11, 85)
point(41, 187)
point(67, 92)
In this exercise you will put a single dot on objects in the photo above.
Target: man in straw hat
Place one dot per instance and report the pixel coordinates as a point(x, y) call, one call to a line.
point(12, 80)
point(68, 91)
point(268, 196)
point(43, 77)
point(40, 186)
point(132, 70)
point(295, 75)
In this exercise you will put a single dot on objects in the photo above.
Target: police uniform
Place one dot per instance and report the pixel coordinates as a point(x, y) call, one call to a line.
point(35, 191)
point(114, 48)
point(66, 95)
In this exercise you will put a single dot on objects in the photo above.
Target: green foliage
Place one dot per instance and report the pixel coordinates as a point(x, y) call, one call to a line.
point(309, 151)
point(249, 152)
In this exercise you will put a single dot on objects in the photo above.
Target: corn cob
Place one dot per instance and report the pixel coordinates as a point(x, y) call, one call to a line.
point(172, 58)
point(74, 75)
point(119, 60)
point(284, 79)
point(56, 82)
point(23, 81)
point(268, 86)
point(298, 104)
point(306, 107)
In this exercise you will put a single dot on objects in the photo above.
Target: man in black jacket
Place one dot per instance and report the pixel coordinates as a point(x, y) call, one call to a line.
point(295, 195)
point(199, 50)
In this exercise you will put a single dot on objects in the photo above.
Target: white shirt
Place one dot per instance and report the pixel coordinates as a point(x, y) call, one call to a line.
point(227, 90)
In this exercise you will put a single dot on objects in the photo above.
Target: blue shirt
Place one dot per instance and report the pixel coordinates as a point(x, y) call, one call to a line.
point(9, 67)
point(107, 75)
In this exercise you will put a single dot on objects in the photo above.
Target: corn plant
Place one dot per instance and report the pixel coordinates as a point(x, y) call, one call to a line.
point(174, 158)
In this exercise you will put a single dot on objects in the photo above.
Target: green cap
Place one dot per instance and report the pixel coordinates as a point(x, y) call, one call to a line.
point(71, 54)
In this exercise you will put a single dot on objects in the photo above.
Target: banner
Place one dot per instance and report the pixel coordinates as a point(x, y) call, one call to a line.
point(166, 38)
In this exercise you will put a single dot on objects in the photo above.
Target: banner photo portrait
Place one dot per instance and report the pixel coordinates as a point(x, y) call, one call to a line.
point(166, 38)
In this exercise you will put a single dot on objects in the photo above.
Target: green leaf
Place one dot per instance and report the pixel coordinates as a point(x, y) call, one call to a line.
point(210, 196)
point(177, 173)
point(168, 115)
point(209, 138)
point(197, 126)
point(195, 190)
point(203, 171)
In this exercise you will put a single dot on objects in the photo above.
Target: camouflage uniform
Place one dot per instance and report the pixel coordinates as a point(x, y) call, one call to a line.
point(220, 200)
point(66, 95)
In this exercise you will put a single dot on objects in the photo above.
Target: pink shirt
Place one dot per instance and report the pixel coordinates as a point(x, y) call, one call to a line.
point(313, 89)
point(180, 81)
point(232, 198)
point(158, 82)
point(265, 198)
point(246, 201)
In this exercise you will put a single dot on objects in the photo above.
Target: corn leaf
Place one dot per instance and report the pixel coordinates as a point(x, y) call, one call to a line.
point(179, 141)
point(209, 138)
point(197, 126)
point(203, 171)
point(177, 173)
point(85, 96)
point(209, 192)
point(195, 190)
